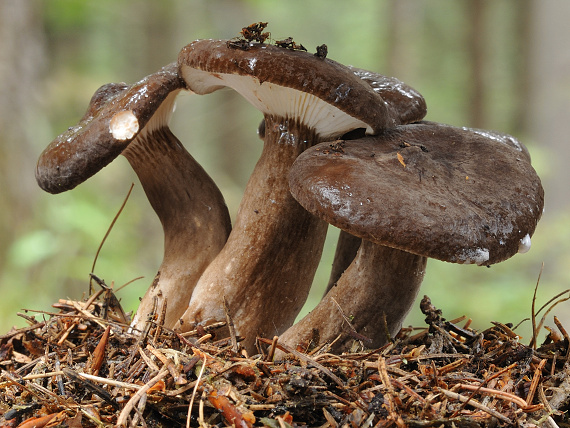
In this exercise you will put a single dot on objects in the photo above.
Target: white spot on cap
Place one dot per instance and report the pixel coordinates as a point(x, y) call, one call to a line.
point(124, 125)
point(475, 255)
point(524, 244)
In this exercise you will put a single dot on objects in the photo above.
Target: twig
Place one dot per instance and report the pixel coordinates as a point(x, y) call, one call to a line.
point(194, 392)
point(108, 232)
point(147, 360)
point(389, 397)
point(206, 328)
point(550, 308)
point(22, 330)
point(307, 359)
point(231, 327)
point(74, 376)
point(271, 352)
point(160, 321)
point(535, 380)
point(128, 283)
point(500, 394)
point(532, 311)
point(475, 404)
point(122, 419)
point(353, 332)
point(174, 372)
point(58, 377)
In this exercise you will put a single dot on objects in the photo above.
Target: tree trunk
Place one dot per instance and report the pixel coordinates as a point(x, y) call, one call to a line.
point(21, 66)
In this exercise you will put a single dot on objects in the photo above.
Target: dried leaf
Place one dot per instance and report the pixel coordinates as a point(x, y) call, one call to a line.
point(99, 353)
point(230, 412)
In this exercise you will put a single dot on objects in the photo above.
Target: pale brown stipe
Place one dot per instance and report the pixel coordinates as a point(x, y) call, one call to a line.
point(267, 266)
point(411, 192)
point(133, 121)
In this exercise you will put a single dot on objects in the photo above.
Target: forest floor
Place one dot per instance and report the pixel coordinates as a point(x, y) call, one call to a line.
point(80, 366)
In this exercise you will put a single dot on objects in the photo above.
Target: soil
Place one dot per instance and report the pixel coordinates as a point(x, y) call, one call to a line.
point(80, 366)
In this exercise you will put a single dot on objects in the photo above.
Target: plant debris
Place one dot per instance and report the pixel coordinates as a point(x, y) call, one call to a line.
point(253, 34)
point(78, 368)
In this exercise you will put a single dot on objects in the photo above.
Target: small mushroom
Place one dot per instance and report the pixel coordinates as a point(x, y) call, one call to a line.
point(266, 268)
point(133, 121)
point(412, 192)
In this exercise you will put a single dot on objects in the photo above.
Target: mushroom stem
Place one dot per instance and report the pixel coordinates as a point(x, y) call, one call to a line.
point(374, 295)
point(346, 249)
point(196, 222)
point(267, 266)
point(191, 208)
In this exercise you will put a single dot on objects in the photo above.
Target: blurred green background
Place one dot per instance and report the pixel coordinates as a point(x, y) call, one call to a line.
point(501, 65)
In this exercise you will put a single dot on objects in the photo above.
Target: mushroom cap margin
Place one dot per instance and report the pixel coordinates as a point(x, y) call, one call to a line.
point(433, 190)
point(208, 65)
point(82, 150)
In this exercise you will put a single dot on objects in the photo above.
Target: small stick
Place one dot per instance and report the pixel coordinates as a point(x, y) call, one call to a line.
point(74, 376)
point(28, 318)
point(139, 413)
point(160, 320)
point(147, 360)
point(174, 372)
point(408, 390)
point(231, 326)
point(305, 358)
point(58, 377)
point(271, 352)
point(107, 234)
point(88, 315)
point(565, 334)
point(122, 419)
point(390, 395)
point(562, 329)
point(194, 393)
point(127, 283)
point(204, 338)
point(22, 330)
point(110, 382)
point(92, 298)
point(66, 333)
point(532, 310)
point(475, 404)
point(206, 328)
point(496, 393)
point(534, 384)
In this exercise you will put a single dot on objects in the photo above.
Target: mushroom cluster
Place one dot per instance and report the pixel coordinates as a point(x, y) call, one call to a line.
point(341, 146)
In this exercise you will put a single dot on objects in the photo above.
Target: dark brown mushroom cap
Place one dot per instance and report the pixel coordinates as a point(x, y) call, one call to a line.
point(404, 103)
point(286, 83)
point(115, 116)
point(434, 190)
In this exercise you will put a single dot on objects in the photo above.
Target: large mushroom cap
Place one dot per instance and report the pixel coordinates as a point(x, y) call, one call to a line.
point(323, 94)
point(434, 190)
point(115, 116)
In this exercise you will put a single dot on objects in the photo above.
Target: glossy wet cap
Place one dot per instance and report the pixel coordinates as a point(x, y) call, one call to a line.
point(322, 94)
point(114, 118)
point(403, 103)
point(452, 194)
